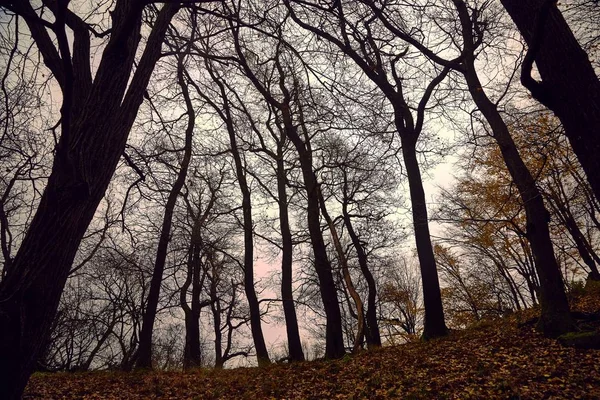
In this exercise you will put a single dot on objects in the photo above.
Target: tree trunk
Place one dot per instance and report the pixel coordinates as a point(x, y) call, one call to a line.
point(334, 338)
point(223, 109)
point(358, 303)
point(569, 85)
point(334, 347)
point(287, 296)
point(555, 316)
point(216, 312)
point(196, 274)
point(434, 325)
point(191, 352)
point(255, 320)
point(144, 355)
point(583, 247)
point(372, 331)
point(86, 160)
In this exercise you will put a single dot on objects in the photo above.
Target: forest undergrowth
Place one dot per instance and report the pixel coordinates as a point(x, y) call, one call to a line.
point(494, 359)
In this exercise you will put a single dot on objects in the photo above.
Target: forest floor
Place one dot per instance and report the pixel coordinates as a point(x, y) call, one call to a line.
point(501, 359)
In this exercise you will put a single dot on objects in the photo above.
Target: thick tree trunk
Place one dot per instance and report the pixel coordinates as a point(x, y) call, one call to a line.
point(434, 325)
point(86, 160)
point(287, 295)
point(569, 85)
point(334, 347)
point(144, 355)
point(555, 316)
point(372, 332)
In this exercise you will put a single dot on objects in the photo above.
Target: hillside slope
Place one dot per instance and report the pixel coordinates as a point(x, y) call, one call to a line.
point(504, 359)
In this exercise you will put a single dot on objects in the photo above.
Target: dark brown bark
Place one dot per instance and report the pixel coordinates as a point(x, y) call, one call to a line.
point(287, 295)
point(192, 354)
point(144, 355)
point(372, 332)
point(434, 325)
point(555, 316)
point(86, 160)
point(569, 85)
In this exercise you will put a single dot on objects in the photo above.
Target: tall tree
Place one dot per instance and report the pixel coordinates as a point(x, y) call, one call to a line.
point(555, 317)
point(359, 179)
point(555, 310)
point(343, 260)
point(96, 117)
point(570, 89)
point(283, 102)
point(196, 275)
point(225, 111)
point(355, 35)
point(144, 355)
point(277, 134)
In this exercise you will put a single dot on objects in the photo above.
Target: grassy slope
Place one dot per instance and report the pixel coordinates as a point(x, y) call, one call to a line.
point(494, 360)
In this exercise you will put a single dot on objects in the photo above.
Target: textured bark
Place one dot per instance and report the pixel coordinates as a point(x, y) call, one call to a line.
point(569, 85)
point(144, 355)
point(85, 162)
point(555, 316)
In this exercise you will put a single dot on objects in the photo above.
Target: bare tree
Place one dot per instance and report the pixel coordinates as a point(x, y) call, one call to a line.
point(96, 116)
point(358, 38)
point(571, 90)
